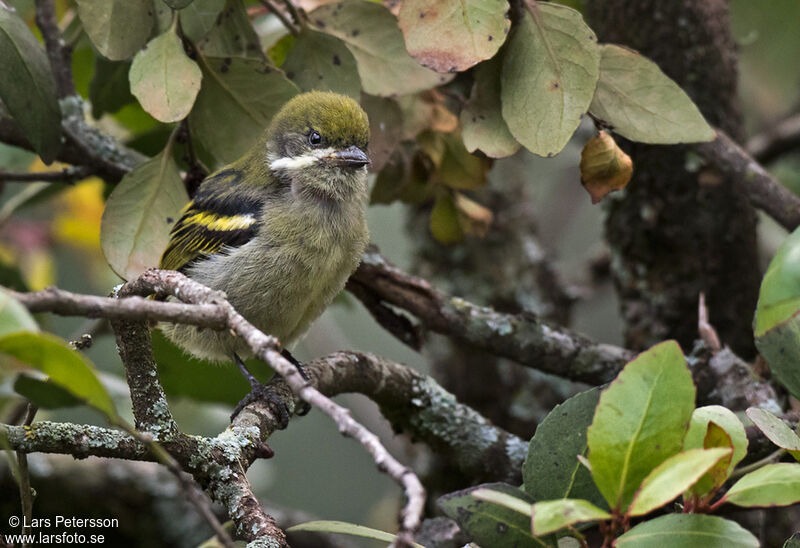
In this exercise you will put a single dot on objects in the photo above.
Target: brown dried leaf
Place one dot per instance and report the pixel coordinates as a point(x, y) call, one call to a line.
point(604, 167)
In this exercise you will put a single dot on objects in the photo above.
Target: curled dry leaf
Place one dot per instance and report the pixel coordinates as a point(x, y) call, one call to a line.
point(604, 167)
point(474, 218)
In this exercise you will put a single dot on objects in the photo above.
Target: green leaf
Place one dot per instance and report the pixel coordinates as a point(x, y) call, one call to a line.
point(672, 477)
point(13, 316)
point(793, 542)
point(551, 515)
point(199, 17)
point(688, 531)
point(65, 367)
point(552, 470)
point(164, 79)
point(405, 177)
point(178, 4)
point(640, 421)
point(385, 129)
point(44, 393)
point(549, 75)
point(453, 35)
point(320, 61)
point(232, 35)
point(483, 127)
point(278, 51)
point(487, 523)
point(779, 297)
point(771, 485)
point(503, 499)
point(459, 169)
point(117, 28)
point(325, 526)
point(780, 346)
point(726, 419)
point(245, 94)
point(775, 430)
point(27, 86)
point(139, 214)
point(716, 436)
point(444, 223)
point(371, 34)
point(109, 89)
point(642, 103)
point(777, 325)
point(184, 376)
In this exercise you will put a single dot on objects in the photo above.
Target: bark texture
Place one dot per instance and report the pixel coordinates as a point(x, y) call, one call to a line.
point(678, 230)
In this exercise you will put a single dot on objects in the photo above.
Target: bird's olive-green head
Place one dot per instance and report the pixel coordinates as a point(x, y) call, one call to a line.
point(318, 143)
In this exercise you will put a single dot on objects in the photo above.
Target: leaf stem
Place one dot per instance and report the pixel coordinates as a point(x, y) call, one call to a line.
point(298, 20)
point(739, 472)
point(280, 15)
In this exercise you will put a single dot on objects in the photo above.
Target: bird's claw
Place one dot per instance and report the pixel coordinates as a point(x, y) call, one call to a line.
point(276, 404)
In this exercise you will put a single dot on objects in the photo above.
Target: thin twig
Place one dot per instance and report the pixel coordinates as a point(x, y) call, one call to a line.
point(776, 141)
point(706, 330)
point(280, 15)
point(66, 303)
point(58, 52)
point(294, 13)
point(68, 175)
point(743, 470)
point(24, 479)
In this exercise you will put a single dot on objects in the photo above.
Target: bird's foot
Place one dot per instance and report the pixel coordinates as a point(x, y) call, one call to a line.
point(275, 402)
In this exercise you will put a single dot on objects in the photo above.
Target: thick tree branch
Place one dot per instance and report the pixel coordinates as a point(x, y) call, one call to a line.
point(763, 190)
point(524, 338)
point(84, 145)
point(266, 348)
point(415, 403)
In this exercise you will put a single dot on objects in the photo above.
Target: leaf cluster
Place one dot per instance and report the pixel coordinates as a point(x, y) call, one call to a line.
point(610, 457)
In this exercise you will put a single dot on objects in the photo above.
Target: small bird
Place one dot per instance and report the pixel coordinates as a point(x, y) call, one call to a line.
point(280, 230)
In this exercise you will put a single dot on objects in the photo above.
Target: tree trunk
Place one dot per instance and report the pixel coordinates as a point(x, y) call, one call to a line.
point(680, 230)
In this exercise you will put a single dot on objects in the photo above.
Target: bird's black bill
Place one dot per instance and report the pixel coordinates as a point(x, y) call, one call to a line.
point(350, 157)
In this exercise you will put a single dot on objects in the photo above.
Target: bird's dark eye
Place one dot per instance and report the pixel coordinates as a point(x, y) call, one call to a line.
point(314, 138)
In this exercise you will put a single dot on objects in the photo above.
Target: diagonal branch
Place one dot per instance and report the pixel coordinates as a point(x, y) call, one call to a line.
point(417, 404)
point(763, 190)
point(783, 137)
point(524, 338)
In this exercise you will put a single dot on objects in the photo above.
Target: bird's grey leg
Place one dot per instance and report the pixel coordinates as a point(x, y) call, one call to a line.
point(263, 392)
point(260, 392)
